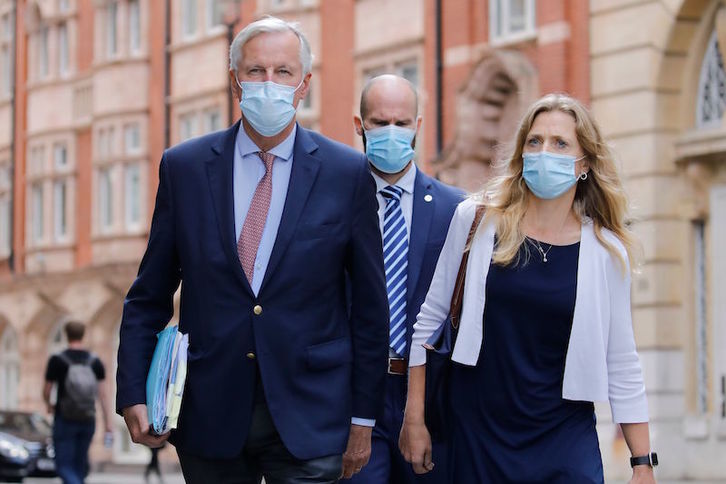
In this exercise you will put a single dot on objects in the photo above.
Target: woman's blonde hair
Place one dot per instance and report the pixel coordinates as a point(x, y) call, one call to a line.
point(601, 198)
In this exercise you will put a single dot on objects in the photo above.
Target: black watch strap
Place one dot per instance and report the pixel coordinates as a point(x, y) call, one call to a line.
point(650, 460)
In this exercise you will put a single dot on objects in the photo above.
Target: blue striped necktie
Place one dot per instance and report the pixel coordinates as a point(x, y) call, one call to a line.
point(395, 256)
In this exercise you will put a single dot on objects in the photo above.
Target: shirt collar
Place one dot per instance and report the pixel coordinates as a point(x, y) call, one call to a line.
point(283, 151)
point(405, 183)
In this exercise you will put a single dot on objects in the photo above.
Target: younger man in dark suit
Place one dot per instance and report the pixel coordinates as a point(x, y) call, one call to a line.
point(414, 214)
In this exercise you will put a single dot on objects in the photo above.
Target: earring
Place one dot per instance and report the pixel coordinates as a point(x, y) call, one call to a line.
point(583, 176)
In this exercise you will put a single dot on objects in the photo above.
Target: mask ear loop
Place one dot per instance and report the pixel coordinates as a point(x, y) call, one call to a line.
point(300, 83)
point(583, 176)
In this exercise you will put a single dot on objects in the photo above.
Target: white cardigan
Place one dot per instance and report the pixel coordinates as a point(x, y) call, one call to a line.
point(601, 364)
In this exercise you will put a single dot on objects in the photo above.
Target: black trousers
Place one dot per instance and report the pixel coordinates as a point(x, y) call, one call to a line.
point(264, 455)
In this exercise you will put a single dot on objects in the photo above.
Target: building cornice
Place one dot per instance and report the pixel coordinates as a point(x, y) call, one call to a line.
point(54, 280)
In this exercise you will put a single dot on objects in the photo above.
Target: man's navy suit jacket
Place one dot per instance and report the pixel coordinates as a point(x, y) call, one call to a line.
point(319, 365)
point(434, 204)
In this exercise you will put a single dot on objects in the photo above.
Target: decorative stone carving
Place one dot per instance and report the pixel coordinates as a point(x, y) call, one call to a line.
point(501, 85)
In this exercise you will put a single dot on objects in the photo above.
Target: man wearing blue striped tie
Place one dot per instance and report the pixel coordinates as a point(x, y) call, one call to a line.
point(414, 214)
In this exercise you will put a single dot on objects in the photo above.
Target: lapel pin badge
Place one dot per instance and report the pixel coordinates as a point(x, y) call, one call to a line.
point(428, 198)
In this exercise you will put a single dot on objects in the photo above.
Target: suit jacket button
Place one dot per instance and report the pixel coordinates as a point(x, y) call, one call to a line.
point(257, 310)
point(251, 356)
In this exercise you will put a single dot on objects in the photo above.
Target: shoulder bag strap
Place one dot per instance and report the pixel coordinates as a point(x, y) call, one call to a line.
point(458, 295)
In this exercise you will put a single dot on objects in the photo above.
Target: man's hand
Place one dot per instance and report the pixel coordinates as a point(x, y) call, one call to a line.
point(358, 451)
point(137, 422)
point(415, 445)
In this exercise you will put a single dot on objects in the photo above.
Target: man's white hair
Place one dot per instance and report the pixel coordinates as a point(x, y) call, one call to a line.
point(269, 24)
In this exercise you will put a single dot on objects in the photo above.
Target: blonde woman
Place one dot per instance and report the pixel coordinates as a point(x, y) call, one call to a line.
point(546, 327)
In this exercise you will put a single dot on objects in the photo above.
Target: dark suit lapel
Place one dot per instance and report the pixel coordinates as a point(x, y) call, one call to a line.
point(305, 168)
point(423, 212)
point(220, 171)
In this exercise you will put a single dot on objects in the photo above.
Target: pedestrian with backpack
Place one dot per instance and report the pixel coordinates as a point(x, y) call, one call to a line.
point(77, 374)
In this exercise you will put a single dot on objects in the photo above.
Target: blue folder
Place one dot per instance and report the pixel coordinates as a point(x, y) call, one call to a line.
point(162, 373)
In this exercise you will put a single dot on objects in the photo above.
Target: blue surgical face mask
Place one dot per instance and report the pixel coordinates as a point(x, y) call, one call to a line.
point(267, 106)
point(388, 148)
point(549, 175)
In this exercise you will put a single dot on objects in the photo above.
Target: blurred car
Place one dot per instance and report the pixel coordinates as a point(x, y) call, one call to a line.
point(15, 461)
point(26, 446)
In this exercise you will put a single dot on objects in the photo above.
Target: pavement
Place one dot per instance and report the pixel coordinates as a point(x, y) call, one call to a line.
point(176, 478)
point(115, 478)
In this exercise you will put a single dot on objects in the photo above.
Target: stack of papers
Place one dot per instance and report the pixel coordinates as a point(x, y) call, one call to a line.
point(165, 382)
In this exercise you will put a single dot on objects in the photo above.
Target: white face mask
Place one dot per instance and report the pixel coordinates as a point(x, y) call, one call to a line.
point(267, 106)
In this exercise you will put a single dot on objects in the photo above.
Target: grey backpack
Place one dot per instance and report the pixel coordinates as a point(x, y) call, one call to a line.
point(80, 390)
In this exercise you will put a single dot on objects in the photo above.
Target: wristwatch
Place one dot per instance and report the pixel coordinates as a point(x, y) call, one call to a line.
point(650, 460)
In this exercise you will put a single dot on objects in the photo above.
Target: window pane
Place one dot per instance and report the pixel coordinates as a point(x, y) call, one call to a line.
point(39, 160)
point(6, 27)
point(6, 70)
point(214, 13)
point(495, 13)
point(63, 49)
point(105, 143)
point(409, 71)
point(187, 126)
point(134, 26)
point(132, 138)
point(5, 224)
point(711, 102)
point(60, 156)
point(132, 195)
point(43, 52)
point(37, 211)
point(212, 121)
point(701, 306)
point(373, 72)
point(110, 142)
point(189, 17)
point(9, 369)
point(100, 143)
point(517, 16)
point(63, 5)
point(111, 34)
point(4, 177)
point(60, 205)
point(105, 198)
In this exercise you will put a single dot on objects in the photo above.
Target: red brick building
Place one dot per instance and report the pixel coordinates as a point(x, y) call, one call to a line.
point(92, 91)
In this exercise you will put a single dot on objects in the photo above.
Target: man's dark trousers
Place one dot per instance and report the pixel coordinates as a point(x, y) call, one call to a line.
point(387, 465)
point(264, 454)
point(434, 204)
point(71, 441)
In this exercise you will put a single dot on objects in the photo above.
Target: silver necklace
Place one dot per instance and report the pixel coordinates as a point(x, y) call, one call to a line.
point(542, 252)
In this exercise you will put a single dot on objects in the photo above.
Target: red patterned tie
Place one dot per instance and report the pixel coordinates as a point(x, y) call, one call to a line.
point(249, 239)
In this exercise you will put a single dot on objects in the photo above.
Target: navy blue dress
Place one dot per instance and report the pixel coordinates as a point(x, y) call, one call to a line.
point(510, 423)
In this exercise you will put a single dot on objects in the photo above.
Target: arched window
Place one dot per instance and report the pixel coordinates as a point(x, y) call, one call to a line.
point(711, 86)
point(57, 340)
point(9, 369)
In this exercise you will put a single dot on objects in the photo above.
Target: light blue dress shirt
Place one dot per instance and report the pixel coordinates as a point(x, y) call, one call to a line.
point(247, 172)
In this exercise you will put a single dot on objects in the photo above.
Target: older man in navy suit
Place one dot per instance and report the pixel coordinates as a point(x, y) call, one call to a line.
point(270, 228)
point(414, 214)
